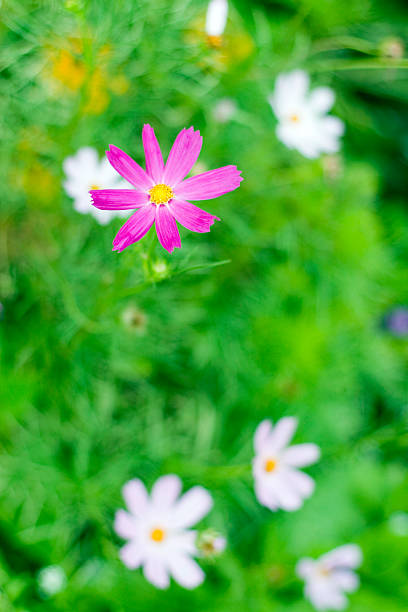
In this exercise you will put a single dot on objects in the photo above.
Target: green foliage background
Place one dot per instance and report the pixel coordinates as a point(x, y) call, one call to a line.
point(291, 325)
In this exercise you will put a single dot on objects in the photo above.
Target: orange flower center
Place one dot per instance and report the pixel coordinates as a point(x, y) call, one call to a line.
point(161, 194)
point(270, 465)
point(214, 41)
point(157, 534)
point(94, 187)
point(294, 118)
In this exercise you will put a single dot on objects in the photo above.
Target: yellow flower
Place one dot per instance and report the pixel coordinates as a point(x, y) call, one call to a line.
point(69, 70)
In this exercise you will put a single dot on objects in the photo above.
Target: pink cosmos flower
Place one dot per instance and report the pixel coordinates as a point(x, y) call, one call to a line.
point(157, 527)
point(160, 193)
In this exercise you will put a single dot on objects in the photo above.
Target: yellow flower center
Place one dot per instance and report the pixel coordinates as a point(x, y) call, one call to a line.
point(270, 465)
point(94, 187)
point(215, 42)
point(161, 194)
point(157, 534)
point(294, 118)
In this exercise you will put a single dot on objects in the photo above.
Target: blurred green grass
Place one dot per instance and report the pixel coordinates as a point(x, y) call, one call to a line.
point(292, 325)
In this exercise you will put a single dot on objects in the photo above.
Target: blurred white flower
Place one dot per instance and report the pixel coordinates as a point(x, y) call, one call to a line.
point(303, 121)
point(330, 576)
point(84, 171)
point(210, 543)
point(51, 580)
point(393, 47)
point(216, 19)
point(134, 319)
point(224, 110)
point(278, 484)
point(157, 527)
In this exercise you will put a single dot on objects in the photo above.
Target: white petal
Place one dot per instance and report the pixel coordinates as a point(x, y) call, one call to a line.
point(265, 494)
point(261, 435)
point(184, 542)
point(216, 18)
point(131, 555)
point(191, 507)
point(324, 595)
point(125, 525)
point(290, 135)
point(333, 126)
point(82, 204)
point(104, 218)
point(136, 498)
point(301, 455)
point(321, 99)
point(282, 433)
point(165, 491)
point(288, 497)
point(349, 555)
point(300, 481)
point(290, 92)
point(186, 571)
point(85, 161)
point(305, 568)
point(74, 188)
point(156, 572)
point(346, 580)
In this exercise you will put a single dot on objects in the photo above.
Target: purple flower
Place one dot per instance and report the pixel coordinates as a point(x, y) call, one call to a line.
point(397, 321)
point(160, 193)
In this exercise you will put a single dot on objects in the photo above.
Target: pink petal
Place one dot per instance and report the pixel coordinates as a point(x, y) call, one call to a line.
point(194, 504)
point(185, 571)
point(125, 525)
point(135, 228)
point(131, 555)
point(153, 154)
point(155, 572)
point(301, 455)
point(167, 230)
point(261, 435)
point(210, 184)
point(135, 496)
point(182, 157)
point(165, 491)
point(191, 217)
point(129, 169)
point(118, 199)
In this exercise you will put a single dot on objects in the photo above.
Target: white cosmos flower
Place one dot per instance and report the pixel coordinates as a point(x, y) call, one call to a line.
point(84, 171)
point(216, 19)
point(330, 576)
point(303, 121)
point(278, 484)
point(157, 527)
